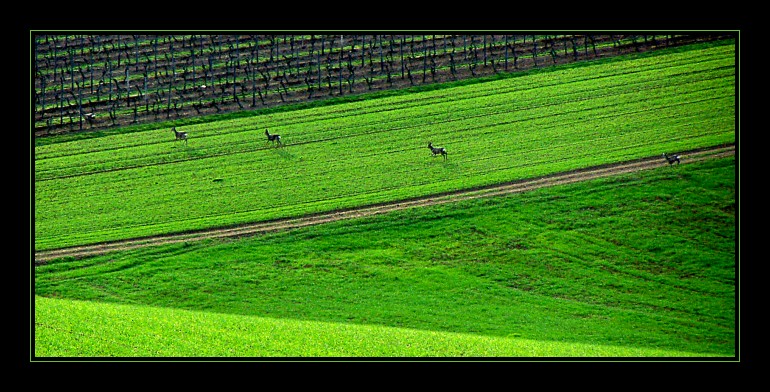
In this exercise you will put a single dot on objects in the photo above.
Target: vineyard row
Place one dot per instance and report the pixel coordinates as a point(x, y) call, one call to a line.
point(93, 82)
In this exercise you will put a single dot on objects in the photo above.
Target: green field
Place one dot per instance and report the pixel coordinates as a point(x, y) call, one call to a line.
point(371, 151)
point(637, 265)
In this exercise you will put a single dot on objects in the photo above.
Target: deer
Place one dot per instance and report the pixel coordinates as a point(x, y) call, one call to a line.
point(437, 150)
point(180, 135)
point(273, 138)
point(671, 159)
point(90, 117)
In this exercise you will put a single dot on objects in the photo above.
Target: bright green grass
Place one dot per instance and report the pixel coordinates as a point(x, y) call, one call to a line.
point(357, 153)
point(641, 264)
point(88, 329)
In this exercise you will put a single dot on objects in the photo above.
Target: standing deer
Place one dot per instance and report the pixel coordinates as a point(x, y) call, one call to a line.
point(437, 150)
point(273, 138)
point(671, 159)
point(180, 135)
point(90, 117)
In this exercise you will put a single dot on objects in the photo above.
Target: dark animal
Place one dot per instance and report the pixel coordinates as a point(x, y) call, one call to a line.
point(671, 159)
point(273, 138)
point(180, 135)
point(90, 117)
point(437, 150)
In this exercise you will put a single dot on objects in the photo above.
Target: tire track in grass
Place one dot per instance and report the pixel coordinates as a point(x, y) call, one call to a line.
point(448, 197)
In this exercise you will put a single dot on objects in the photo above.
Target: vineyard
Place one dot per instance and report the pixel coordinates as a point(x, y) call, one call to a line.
point(89, 82)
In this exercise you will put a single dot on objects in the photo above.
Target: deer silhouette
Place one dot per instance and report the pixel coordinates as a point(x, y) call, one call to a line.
point(180, 135)
point(273, 138)
point(671, 159)
point(437, 150)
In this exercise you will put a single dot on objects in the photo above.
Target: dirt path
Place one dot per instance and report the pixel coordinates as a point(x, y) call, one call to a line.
point(293, 223)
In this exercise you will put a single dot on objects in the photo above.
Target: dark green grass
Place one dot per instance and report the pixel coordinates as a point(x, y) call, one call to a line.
point(643, 260)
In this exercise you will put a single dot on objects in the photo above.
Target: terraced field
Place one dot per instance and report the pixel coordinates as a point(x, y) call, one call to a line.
point(145, 183)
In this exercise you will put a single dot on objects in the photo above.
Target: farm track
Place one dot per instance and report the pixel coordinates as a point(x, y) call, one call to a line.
point(365, 211)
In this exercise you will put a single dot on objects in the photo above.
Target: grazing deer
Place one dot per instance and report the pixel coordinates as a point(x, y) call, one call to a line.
point(671, 159)
point(180, 135)
point(273, 138)
point(437, 150)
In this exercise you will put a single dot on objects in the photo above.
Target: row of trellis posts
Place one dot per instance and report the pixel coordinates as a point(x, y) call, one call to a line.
point(85, 81)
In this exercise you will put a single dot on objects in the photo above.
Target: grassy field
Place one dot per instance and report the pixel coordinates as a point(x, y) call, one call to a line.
point(156, 332)
point(638, 265)
point(145, 183)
